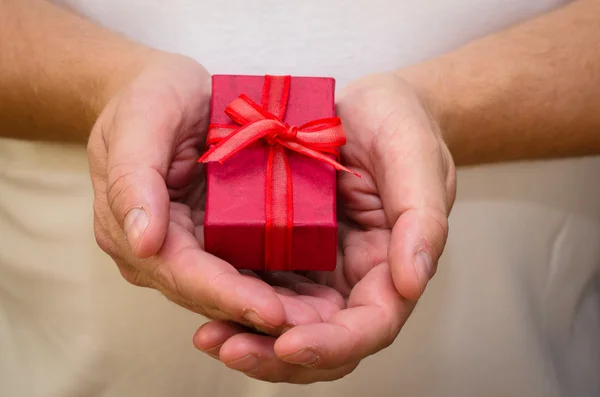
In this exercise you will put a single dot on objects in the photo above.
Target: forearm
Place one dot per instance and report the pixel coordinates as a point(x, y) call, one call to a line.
point(529, 92)
point(57, 70)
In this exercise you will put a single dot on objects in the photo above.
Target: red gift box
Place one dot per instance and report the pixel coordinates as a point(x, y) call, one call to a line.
point(271, 172)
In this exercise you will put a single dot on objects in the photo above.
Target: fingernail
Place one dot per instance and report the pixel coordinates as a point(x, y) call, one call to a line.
point(134, 225)
point(248, 364)
point(423, 266)
point(304, 357)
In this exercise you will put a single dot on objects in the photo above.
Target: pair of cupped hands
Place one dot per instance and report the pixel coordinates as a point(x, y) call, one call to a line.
point(279, 327)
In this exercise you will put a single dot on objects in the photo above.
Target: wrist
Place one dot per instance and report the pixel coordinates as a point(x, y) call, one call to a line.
point(427, 81)
point(460, 102)
point(119, 73)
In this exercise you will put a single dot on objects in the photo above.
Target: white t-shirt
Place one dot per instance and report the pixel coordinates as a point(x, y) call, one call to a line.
point(339, 38)
point(70, 326)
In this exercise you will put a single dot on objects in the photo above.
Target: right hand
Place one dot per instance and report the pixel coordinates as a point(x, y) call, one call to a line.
point(149, 195)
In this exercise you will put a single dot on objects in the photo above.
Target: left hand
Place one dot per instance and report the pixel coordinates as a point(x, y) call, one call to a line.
point(393, 228)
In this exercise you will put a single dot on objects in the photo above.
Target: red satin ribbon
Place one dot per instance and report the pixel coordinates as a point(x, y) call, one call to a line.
point(318, 139)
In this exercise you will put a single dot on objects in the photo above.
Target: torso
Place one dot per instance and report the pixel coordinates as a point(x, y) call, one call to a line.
point(339, 38)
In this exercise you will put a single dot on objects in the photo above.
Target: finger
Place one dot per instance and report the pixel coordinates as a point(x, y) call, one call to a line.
point(185, 164)
point(364, 249)
point(210, 336)
point(362, 204)
point(284, 291)
point(140, 143)
point(132, 275)
point(186, 179)
point(411, 167)
point(249, 273)
point(336, 279)
point(298, 312)
point(106, 231)
point(416, 243)
point(324, 300)
point(371, 323)
point(302, 285)
point(254, 356)
point(324, 307)
point(206, 281)
point(182, 215)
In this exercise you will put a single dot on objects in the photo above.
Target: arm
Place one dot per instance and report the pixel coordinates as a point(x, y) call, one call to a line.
point(57, 70)
point(530, 92)
point(62, 77)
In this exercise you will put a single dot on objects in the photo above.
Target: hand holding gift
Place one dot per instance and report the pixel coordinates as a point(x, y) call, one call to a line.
point(393, 227)
point(149, 194)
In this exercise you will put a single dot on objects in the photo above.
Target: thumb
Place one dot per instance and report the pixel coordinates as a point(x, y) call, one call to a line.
point(138, 160)
point(415, 177)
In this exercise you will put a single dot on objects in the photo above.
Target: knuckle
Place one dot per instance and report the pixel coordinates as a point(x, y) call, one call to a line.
point(104, 236)
point(98, 177)
point(440, 219)
point(177, 299)
point(345, 371)
point(181, 214)
point(140, 281)
point(437, 232)
point(216, 279)
point(117, 189)
point(181, 208)
point(164, 277)
point(288, 376)
point(196, 308)
point(95, 144)
point(97, 153)
point(391, 326)
point(264, 377)
point(104, 242)
point(213, 289)
point(270, 374)
point(393, 331)
point(93, 148)
point(134, 276)
point(207, 312)
point(451, 180)
point(99, 208)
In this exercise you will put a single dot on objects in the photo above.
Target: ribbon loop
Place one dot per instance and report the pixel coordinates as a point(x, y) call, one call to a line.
point(318, 139)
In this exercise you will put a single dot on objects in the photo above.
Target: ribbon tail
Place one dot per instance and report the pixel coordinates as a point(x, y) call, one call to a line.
point(298, 148)
point(278, 211)
point(218, 132)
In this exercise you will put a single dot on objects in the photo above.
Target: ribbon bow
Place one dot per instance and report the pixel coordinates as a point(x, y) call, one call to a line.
point(318, 139)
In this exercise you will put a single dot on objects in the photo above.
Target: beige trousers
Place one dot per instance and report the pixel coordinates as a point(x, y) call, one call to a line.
point(513, 311)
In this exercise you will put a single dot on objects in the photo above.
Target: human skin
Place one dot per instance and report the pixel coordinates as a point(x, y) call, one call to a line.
point(528, 92)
